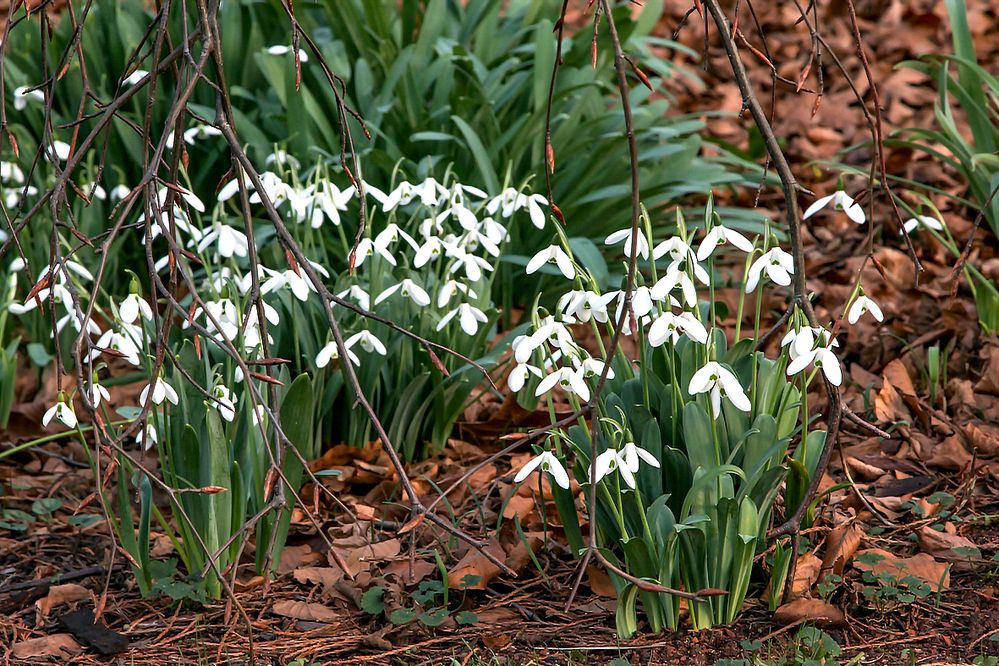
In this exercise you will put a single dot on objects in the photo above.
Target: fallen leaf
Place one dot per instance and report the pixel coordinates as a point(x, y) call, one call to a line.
point(896, 374)
point(947, 454)
point(54, 645)
point(959, 550)
point(805, 575)
point(301, 610)
point(293, 557)
point(474, 571)
point(989, 383)
point(324, 576)
point(888, 405)
point(59, 595)
point(400, 568)
point(360, 558)
point(922, 566)
point(816, 611)
point(600, 582)
point(984, 438)
point(841, 544)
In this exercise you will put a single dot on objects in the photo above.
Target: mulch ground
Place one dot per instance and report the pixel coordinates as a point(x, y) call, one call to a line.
point(939, 470)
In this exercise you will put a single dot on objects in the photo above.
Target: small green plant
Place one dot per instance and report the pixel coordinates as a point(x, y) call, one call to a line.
point(887, 589)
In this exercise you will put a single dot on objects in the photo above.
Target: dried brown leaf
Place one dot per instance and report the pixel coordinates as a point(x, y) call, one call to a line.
point(301, 610)
point(816, 611)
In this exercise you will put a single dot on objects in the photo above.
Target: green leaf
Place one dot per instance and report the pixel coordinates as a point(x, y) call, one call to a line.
point(434, 618)
point(39, 355)
point(465, 617)
point(372, 601)
point(402, 615)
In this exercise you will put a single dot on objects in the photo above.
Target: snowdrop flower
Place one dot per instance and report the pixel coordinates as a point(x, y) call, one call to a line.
point(61, 411)
point(549, 464)
point(533, 203)
point(473, 238)
point(592, 367)
point(675, 246)
point(719, 235)
point(582, 305)
point(431, 249)
point(200, 132)
point(778, 266)
point(632, 456)
point(610, 461)
point(77, 320)
point(368, 342)
point(669, 327)
point(146, 437)
point(465, 217)
point(410, 289)
point(330, 352)
point(332, 200)
point(187, 195)
point(807, 349)
point(119, 192)
point(552, 255)
point(159, 390)
point(300, 285)
point(469, 318)
point(719, 381)
point(553, 332)
point(860, 306)
point(98, 192)
point(519, 375)
point(393, 233)
point(230, 189)
point(404, 194)
point(675, 277)
point(230, 241)
point(571, 381)
point(61, 150)
point(123, 344)
point(624, 235)
point(97, 393)
point(840, 201)
point(22, 95)
point(449, 289)
point(356, 294)
point(222, 401)
point(283, 157)
point(135, 77)
point(922, 221)
point(505, 202)
point(133, 306)
point(10, 171)
point(472, 264)
point(368, 247)
point(281, 49)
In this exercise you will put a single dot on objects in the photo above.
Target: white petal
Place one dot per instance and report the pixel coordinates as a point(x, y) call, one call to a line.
point(817, 206)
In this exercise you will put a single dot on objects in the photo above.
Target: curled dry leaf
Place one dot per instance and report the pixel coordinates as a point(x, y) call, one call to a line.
point(474, 571)
point(815, 611)
point(301, 610)
point(59, 595)
point(805, 575)
point(841, 544)
point(959, 550)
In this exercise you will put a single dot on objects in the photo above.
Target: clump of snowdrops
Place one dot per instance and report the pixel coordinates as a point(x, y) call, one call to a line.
point(422, 264)
point(698, 434)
